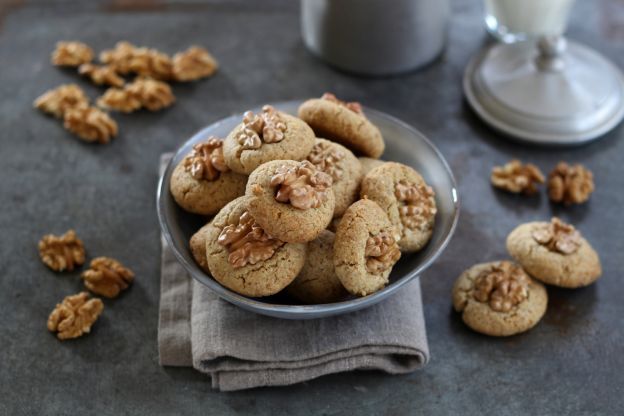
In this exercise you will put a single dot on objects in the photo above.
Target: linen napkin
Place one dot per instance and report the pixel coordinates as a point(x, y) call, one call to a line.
point(240, 349)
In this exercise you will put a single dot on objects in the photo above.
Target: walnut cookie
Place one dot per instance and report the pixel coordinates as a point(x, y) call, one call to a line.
point(292, 201)
point(197, 243)
point(344, 168)
point(317, 282)
point(499, 299)
point(344, 123)
point(270, 135)
point(555, 253)
point(407, 200)
point(365, 249)
point(202, 183)
point(244, 258)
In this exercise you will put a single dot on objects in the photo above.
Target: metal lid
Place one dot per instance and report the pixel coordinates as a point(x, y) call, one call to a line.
point(556, 93)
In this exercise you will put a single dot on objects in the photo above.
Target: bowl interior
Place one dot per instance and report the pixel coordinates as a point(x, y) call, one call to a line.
point(403, 144)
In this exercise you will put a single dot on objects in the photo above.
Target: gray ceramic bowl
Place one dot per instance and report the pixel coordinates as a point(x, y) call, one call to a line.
point(403, 144)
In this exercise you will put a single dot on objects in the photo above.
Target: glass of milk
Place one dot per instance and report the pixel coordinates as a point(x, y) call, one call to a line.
point(517, 20)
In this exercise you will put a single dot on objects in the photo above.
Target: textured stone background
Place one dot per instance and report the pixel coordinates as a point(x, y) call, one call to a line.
point(571, 363)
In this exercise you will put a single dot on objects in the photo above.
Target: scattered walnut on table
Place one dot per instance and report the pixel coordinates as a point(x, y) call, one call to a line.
point(90, 124)
point(63, 252)
point(417, 204)
point(502, 287)
point(353, 106)
point(516, 177)
point(71, 54)
point(303, 186)
point(206, 160)
point(107, 277)
point(101, 74)
point(570, 184)
point(126, 58)
point(153, 94)
point(382, 252)
point(266, 127)
point(247, 242)
point(193, 64)
point(327, 159)
point(558, 236)
point(120, 57)
point(64, 97)
point(74, 316)
point(119, 99)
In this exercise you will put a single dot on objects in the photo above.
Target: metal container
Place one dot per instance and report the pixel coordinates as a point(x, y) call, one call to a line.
point(375, 37)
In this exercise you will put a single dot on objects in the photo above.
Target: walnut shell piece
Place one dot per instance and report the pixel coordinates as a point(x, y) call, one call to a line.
point(382, 252)
point(101, 74)
point(502, 286)
point(90, 124)
point(74, 316)
point(193, 64)
point(153, 95)
point(107, 277)
point(60, 99)
point(558, 236)
point(206, 160)
point(303, 186)
point(517, 178)
point(570, 184)
point(62, 253)
point(71, 54)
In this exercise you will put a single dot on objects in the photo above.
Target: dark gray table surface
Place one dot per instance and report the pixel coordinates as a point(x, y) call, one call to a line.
point(572, 363)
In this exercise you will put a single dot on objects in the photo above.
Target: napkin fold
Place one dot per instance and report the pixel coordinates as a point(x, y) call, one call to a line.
point(240, 349)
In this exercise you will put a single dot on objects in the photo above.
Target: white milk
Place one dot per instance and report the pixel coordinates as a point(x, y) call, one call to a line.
point(527, 18)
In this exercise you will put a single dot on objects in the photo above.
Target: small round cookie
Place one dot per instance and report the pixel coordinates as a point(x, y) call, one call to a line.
point(317, 282)
point(555, 253)
point(499, 299)
point(407, 200)
point(270, 135)
point(344, 123)
point(344, 168)
point(292, 201)
point(202, 183)
point(369, 164)
point(244, 258)
point(365, 249)
point(197, 244)
point(333, 225)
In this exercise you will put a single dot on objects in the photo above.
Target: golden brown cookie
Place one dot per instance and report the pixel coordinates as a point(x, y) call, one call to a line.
point(197, 243)
point(499, 299)
point(317, 282)
point(369, 164)
point(202, 183)
point(344, 123)
point(344, 168)
point(292, 201)
point(555, 253)
point(244, 258)
point(407, 200)
point(365, 249)
point(269, 135)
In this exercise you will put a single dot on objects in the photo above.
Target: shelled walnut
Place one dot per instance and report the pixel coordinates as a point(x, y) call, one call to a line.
point(327, 159)
point(71, 54)
point(101, 74)
point(303, 186)
point(382, 252)
point(74, 316)
point(247, 242)
point(153, 95)
point(119, 99)
point(60, 99)
point(266, 127)
point(516, 177)
point(570, 184)
point(107, 277)
point(558, 236)
point(90, 124)
point(126, 58)
point(62, 253)
point(353, 106)
point(193, 64)
point(206, 160)
point(502, 287)
point(418, 204)
point(119, 57)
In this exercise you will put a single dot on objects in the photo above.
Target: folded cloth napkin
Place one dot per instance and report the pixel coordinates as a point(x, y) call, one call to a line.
point(240, 349)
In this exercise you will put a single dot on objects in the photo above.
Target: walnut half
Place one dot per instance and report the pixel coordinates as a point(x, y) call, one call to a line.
point(502, 287)
point(74, 316)
point(516, 177)
point(64, 97)
point(303, 186)
point(570, 184)
point(206, 160)
point(558, 236)
point(101, 74)
point(417, 204)
point(90, 124)
point(266, 127)
point(247, 242)
point(107, 277)
point(63, 252)
point(353, 106)
point(382, 252)
point(71, 54)
point(193, 64)
point(327, 159)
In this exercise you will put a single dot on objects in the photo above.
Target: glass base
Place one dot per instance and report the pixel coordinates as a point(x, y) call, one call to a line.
point(501, 32)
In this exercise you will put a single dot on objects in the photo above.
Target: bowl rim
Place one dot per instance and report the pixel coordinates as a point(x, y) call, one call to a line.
point(300, 311)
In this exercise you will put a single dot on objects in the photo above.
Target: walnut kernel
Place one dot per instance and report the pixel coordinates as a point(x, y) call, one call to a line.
point(327, 159)
point(119, 99)
point(126, 58)
point(247, 242)
point(558, 236)
point(382, 252)
point(120, 57)
point(417, 204)
point(153, 95)
point(71, 54)
point(502, 287)
point(303, 186)
point(74, 316)
point(107, 277)
point(570, 184)
point(63, 252)
point(193, 64)
point(61, 99)
point(206, 160)
point(353, 106)
point(101, 74)
point(516, 177)
point(266, 127)
point(90, 124)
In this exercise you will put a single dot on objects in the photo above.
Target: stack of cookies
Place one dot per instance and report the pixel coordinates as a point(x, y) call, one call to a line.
point(303, 204)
